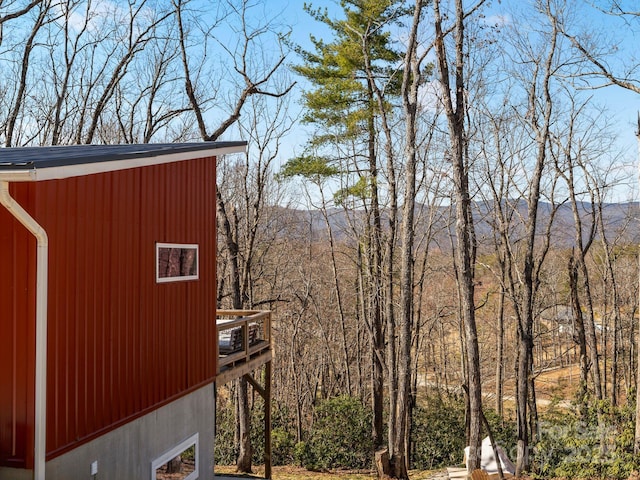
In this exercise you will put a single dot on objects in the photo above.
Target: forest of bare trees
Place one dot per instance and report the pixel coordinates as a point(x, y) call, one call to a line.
point(430, 202)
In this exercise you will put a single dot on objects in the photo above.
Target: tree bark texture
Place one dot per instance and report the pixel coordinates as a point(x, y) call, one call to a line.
point(465, 236)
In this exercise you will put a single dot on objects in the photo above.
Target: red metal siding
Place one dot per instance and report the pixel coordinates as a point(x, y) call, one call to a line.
point(119, 343)
point(17, 324)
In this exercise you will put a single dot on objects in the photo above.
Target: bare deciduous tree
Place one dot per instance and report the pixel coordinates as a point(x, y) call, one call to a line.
point(455, 110)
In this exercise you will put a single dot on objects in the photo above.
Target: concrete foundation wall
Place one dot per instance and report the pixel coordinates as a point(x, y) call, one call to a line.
point(128, 452)
point(7, 473)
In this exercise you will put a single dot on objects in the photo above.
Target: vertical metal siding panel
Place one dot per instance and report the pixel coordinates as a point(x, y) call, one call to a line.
point(159, 332)
point(56, 332)
point(123, 268)
point(104, 252)
point(189, 180)
point(200, 205)
point(202, 224)
point(194, 326)
point(60, 251)
point(56, 366)
point(118, 271)
point(134, 291)
point(175, 291)
point(61, 225)
point(17, 322)
point(212, 359)
point(121, 262)
point(153, 219)
point(192, 180)
point(100, 307)
point(144, 260)
point(197, 224)
point(211, 353)
point(196, 367)
point(213, 287)
point(8, 325)
point(74, 293)
point(78, 292)
point(176, 308)
point(85, 232)
point(61, 332)
point(145, 314)
point(182, 317)
point(131, 235)
point(87, 222)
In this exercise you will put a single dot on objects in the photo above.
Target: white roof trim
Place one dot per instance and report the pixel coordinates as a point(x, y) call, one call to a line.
point(79, 170)
point(18, 176)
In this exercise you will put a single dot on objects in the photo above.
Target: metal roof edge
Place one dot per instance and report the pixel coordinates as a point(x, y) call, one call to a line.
point(144, 159)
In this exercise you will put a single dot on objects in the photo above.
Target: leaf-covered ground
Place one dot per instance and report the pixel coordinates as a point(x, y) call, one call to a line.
point(298, 473)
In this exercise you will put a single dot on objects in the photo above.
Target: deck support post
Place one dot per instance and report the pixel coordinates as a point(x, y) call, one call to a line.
point(265, 393)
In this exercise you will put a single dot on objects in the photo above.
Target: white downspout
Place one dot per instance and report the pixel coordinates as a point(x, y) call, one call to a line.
point(42, 266)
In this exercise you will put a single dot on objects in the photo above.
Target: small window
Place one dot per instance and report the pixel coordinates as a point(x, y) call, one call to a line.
point(176, 262)
point(181, 462)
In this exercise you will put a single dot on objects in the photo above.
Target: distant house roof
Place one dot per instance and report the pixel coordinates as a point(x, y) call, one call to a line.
point(46, 163)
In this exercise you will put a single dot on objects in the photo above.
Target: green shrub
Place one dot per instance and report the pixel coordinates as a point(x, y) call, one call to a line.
point(282, 434)
point(438, 434)
point(340, 436)
point(282, 446)
point(225, 450)
point(581, 447)
point(303, 457)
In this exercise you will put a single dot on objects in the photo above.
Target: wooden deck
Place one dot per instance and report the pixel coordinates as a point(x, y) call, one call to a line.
point(244, 342)
point(244, 345)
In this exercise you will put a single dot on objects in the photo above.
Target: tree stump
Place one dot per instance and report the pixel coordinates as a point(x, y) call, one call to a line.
point(383, 466)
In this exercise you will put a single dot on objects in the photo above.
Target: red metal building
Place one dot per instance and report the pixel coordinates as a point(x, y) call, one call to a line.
point(107, 305)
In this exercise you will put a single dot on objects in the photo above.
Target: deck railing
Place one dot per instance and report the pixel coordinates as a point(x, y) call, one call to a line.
point(243, 335)
point(244, 345)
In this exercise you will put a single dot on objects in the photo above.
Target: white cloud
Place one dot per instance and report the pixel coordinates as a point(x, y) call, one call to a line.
point(92, 19)
point(498, 20)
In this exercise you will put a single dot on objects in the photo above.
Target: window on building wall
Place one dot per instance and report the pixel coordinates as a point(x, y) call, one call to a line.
point(176, 262)
point(179, 463)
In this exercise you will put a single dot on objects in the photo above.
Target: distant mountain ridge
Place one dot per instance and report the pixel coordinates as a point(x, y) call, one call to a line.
point(621, 220)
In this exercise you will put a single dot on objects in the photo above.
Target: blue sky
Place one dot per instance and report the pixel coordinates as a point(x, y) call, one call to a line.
point(622, 105)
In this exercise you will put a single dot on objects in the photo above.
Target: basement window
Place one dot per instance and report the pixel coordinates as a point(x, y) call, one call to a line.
point(176, 262)
point(181, 462)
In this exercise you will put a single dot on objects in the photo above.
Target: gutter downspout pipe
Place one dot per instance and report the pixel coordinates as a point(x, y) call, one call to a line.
point(42, 267)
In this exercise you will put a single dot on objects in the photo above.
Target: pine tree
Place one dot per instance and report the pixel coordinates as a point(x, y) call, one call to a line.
point(347, 75)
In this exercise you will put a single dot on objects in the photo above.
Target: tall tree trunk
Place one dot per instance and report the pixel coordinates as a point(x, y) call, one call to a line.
point(544, 67)
point(243, 463)
point(500, 351)
point(375, 277)
point(465, 237)
point(579, 335)
point(338, 293)
point(525, 348)
point(402, 412)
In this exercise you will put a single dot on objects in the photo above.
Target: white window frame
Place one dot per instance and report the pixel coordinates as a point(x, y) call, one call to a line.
point(193, 440)
point(179, 278)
